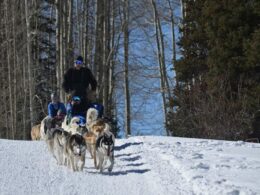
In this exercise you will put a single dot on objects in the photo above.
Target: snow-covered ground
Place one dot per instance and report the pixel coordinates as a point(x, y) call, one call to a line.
point(144, 165)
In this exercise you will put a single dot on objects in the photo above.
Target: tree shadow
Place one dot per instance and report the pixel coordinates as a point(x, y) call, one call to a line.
point(131, 158)
point(126, 154)
point(134, 164)
point(119, 173)
point(120, 155)
point(126, 145)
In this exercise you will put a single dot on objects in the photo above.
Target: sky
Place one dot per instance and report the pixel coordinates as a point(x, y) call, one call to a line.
point(144, 165)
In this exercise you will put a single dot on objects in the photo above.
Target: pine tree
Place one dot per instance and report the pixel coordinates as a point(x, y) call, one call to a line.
point(218, 74)
point(194, 44)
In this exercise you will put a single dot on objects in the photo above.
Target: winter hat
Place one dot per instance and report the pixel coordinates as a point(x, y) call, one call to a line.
point(79, 59)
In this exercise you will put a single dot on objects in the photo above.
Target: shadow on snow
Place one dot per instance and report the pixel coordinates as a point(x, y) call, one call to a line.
point(118, 173)
point(126, 145)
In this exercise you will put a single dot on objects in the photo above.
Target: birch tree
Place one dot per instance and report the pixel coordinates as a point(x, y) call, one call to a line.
point(126, 64)
point(165, 87)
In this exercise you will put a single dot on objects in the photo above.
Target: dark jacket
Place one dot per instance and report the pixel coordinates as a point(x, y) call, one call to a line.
point(77, 81)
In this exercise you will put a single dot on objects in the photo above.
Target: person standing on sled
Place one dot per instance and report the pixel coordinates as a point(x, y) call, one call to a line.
point(76, 83)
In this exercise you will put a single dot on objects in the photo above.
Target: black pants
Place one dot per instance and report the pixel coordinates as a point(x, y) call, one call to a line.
point(79, 109)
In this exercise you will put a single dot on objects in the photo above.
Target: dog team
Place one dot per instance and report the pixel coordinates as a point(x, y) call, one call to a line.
point(68, 144)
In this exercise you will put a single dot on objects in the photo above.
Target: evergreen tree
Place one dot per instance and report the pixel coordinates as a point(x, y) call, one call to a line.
point(218, 74)
point(194, 44)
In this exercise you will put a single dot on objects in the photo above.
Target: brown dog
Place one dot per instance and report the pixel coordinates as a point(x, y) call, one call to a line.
point(90, 139)
point(96, 127)
point(35, 132)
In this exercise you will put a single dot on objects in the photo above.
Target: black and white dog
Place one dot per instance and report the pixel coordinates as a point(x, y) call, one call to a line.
point(75, 152)
point(60, 138)
point(46, 124)
point(105, 150)
point(56, 142)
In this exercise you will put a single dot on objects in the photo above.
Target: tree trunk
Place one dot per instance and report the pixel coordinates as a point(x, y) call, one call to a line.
point(15, 71)
point(85, 34)
point(173, 33)
point(106, 58)
point(126, 73)
point(165, 88)
point(30, 67)
point(9, 68)
point(58, 40)
point(99, 53)
point(69, 53)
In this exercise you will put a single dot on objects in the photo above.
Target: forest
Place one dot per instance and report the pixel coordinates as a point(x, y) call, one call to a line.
point(199, 58)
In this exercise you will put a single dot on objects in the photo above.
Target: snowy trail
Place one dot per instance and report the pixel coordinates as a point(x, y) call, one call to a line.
point(143, 165)
point(167, 176)
point(28, 168)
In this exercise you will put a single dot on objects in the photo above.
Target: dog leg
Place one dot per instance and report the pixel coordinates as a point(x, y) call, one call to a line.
point(101, 167)
point(60, 157)
point(91, 150)
point(98, 161)
point(105, 159)
point(64, 160)
point(95, 156)
point(68, 162)
point(82, 163)
point(71, 163)
point(74, 164)
point(111, 159)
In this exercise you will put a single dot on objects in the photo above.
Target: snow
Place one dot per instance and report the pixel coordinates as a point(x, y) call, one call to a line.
point(144, 165)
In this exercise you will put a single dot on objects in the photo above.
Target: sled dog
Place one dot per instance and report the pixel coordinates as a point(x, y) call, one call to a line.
point(92, 115)
point(56, 144)
point(105, 150)
point(90, 139)
point(95, 125)
point(75, 152)
point(35, 132)
point(46, 124)
point(73, 127)
point(97, 128)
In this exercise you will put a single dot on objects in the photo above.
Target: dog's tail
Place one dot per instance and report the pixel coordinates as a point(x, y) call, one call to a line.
point(92, 115)
point(74, 120)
